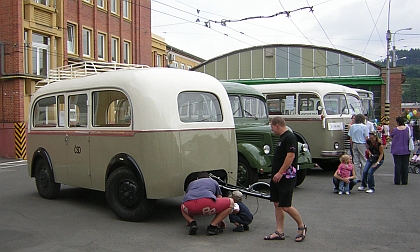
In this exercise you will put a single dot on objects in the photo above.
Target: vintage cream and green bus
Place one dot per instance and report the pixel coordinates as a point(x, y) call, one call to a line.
point(256, 141)
point(319, 112)
point(136, 134)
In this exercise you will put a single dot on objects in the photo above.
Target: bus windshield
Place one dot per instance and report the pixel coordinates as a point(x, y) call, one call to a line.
point(337, 104)
point(248, 106)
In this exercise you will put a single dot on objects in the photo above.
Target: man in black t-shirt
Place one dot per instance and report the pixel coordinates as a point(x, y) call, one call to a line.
point(283, 180)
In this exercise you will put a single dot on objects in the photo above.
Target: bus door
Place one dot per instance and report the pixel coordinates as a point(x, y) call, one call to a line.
point(77, 147)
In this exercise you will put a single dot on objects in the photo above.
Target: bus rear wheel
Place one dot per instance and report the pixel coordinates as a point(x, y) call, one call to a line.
point(44, 180)
point(126, 196)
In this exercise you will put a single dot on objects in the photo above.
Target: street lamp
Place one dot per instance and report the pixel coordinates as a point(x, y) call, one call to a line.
point(388, 78)
point(394, 60)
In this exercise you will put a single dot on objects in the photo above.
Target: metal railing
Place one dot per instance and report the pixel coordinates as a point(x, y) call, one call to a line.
point(83, 69)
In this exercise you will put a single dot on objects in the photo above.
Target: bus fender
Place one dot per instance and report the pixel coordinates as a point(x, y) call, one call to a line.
point(255, 157)
point(123, 159)
point(40, 153)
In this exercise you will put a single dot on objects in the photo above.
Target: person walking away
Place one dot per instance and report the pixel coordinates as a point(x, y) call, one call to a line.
point(344, 171)
point(283, 181)
point(241, 216)
point(400, 152)
point(204, 197)
point(375, 160)
point(358, 134)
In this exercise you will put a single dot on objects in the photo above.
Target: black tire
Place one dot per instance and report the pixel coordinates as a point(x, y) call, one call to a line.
point(246, 174)
point(126, 196)
point(416, 170)
point(44, 180)
point(300, 176)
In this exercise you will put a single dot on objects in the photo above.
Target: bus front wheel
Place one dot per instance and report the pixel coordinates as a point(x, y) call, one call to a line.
point(246, 174)
point(126, 196)
point(44, 180)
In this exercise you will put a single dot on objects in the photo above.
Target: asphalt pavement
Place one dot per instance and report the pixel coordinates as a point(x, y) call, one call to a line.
point(80, 220)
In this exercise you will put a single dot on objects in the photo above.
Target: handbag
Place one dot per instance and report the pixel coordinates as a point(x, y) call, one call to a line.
point(410, 141)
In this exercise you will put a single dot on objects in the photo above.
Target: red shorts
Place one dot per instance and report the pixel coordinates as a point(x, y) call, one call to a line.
point(205, 206)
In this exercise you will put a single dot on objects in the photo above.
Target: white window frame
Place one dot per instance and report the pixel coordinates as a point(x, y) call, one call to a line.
point(114, 49)
point(101, 45)
point(183, 66)
point(38, 50)
point(43, 2)
point(113, 6)
point(100, 3)
point(126, 9)
point(158, 60)
point(127, 51)
point(71, 38)
point(87, 42)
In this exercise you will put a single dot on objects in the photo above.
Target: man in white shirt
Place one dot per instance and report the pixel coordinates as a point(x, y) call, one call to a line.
point(369, 125)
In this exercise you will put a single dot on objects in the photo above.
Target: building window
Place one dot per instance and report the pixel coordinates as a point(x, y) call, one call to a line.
point(71, 40)
point(189, 67)
point(88, 1)
point(182, 66)
point(40, 54)
point(101, 46)
point(114, 49)
point(158, 60)
point(127, 46)
point(44, 2)
point(175, 64)
point(87, 39)
point(101, 3)
point(126, 9)
point(114, 6)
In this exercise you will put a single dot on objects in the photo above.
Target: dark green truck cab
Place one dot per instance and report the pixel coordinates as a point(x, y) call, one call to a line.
point(255, 140)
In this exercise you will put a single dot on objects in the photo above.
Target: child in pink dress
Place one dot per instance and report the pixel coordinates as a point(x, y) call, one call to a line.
point(344, 171)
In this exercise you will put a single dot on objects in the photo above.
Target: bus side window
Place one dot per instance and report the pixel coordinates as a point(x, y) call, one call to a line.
point(199, 107)
point(45, 113)
point(111, 108)
point(78, 110)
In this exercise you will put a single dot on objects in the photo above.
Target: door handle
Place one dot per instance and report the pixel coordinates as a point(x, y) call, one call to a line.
point(66, 138)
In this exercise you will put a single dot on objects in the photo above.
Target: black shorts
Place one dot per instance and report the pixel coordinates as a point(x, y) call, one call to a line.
point(282, 192)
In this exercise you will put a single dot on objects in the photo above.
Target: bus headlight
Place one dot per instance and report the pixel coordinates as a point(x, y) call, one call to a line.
point(336, 146)
point(305, 147)
point(266, 149)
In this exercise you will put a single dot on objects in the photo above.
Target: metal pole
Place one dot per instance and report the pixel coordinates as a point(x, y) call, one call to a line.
point(388, 78)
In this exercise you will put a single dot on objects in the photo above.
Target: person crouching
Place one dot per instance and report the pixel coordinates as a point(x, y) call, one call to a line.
point(240, 216)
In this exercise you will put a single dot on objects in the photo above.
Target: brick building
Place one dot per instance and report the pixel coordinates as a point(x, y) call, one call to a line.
point(37, 35)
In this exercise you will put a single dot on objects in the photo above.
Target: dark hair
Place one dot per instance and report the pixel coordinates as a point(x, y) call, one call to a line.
point(359, 118)
point(202, 174)
point(400, 121)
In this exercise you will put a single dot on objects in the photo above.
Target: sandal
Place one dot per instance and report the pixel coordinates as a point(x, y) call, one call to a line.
point(301, 236)
point(278, 237)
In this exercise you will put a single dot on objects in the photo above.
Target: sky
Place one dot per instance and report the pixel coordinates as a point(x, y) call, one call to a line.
point(210, 28)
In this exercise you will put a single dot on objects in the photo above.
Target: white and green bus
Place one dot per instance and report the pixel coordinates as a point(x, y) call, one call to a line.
point(318, 112)
point(137, 134)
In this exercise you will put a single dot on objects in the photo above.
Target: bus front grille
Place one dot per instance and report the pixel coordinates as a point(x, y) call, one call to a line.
point(346, 138)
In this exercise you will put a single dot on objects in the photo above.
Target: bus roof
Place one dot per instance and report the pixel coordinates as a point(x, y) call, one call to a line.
point(153, 93)
point(321, 88)
point(241, 89)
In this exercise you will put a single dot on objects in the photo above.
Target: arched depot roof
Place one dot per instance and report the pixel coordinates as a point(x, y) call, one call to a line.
point(292, 63)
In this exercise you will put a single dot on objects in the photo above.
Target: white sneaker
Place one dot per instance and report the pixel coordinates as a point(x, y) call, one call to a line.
point(347, 193)
point(370, 191)
point(361, 188)
point(340, 193)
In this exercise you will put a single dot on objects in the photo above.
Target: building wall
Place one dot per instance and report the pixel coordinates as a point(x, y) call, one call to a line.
point(17, 81)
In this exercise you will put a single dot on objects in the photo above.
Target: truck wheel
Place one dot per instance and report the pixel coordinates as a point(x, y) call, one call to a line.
point(126, 196)
point(44, 180)
point(301, 174)
point(246, 174)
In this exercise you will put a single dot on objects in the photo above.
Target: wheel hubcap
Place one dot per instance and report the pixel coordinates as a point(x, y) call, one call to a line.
point(127, 194)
